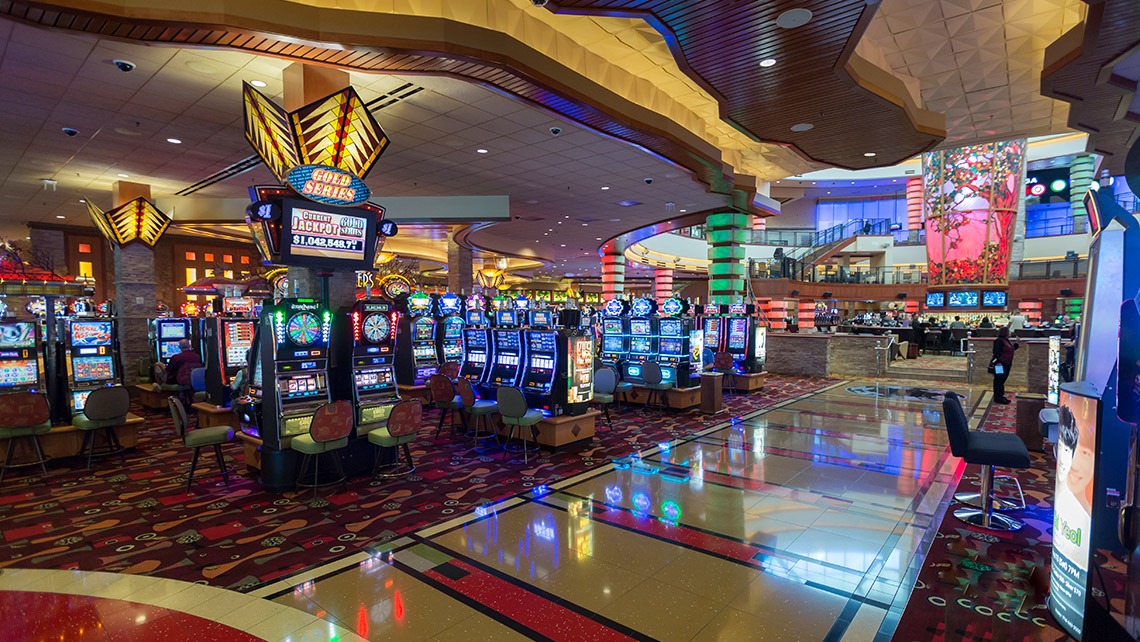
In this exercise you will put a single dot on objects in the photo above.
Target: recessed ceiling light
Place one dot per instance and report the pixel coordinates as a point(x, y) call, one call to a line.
point(767, 62)
point(480, 151)
point(585, 224)
point(683, 211)
point(82, 200)
point(173, 141)
point(802, 127)
point(852, 182)
point(122, 175)
point(869, 154)
point(605, 187)
point(60, 216)
point(258, 83)
point(563, 245)
point(793, 18)
point(598, 239)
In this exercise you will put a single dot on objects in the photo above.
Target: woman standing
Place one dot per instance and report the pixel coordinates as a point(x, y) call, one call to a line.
point(1001, 362)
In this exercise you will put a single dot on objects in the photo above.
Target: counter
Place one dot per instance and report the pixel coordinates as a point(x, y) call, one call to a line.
point(1030, 371)
point(817, 354)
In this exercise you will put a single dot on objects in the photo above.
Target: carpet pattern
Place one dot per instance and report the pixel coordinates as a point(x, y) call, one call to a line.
point(980, 585)
point(138, 518)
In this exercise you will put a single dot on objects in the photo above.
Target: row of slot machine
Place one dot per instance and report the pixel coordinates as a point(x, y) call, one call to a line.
point(682, 338)
point(305, 354)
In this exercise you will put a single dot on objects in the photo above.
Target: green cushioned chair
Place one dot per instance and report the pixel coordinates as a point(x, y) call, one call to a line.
point(445, 399)
point(25, 416)
point(145, 365)
point(199, 438)
point(516, 414)
point(104, 410)
point(482, 413)
point(402, 429)
point(621, 388)
point(605, 387)
point(652, 381)
point(328, 432)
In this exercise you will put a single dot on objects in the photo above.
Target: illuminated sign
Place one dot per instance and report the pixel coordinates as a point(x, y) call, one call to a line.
point(328, 185)
point(673, 307)
point(642, 307)
point(614, 308)
point(388, 228)
point(1054, 390)
point(327, 238)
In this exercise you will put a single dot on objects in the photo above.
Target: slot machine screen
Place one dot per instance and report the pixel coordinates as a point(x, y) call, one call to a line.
point(670, 346)
point(425, 330)
point(506, 317)
point(475, 317)
point(476, 339)
point(238, 338)
point(300, 386)
point(167, 349)
point(452, 328)
point(670, 327)
point(92, 368)
point(612, 344)
point(90, 333)
point(373, 379)
point(507, 340)
point(19, 372)
point(639, 326)
point(640, 345)
point(17, 335)
point(79, 398)
point(712, 332)
point(542, 341)
point(611, 326)
point(540, 318)
point(171, 331)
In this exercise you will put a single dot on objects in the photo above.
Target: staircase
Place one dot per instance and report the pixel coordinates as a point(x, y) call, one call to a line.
point(827, 243)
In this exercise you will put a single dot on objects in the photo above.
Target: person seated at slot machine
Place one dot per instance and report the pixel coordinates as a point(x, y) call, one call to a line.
point(182, 364)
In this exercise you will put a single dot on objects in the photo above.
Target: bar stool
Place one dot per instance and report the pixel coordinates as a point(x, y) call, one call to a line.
point(199, 438)
point(445, 399)
point(480, 410)
point(975, 499)
point(328, 432)
point(652, 381)
point(988, 449)
point(402, 429)
point(605, 384)
point(724, 364)
point(105, 409)
point(516, 414)
point(450, 370)
point(26, 415)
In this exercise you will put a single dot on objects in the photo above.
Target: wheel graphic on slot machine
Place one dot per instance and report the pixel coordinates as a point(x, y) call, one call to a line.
point(376, 327)
point(304, 328)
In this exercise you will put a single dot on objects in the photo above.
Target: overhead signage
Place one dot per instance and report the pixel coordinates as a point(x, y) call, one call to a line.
point(328, 185)
point(388, 228)
point(642, 308)
point(673, 307)
point(614, 308)
point(263, 210)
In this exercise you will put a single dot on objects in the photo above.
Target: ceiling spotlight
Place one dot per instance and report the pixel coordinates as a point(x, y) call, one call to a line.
point(174, 141)
point(683, 211)
point(802, 127)
point(480, 151)
point(563, 245)
point(258, 83)
point(767, 62)
point(82, 200)
point(122, 175)
point(605, 187)
point(598, 238)
point(60, 216)
point(869, 154)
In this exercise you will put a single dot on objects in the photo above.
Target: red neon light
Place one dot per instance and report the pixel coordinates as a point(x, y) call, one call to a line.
point(362, 622)
point(398, 604)
point(394, 320)
point(356, 325)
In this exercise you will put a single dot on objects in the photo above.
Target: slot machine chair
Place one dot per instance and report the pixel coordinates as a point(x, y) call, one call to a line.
point(989, 450)
point(106, 409)
point(402, 429)
point(446, 400)
point(516, 414)
point(160, 382)
point(198, 384)
point(27, 415)
point(652, 381)
point(481, 411)
point(328, 432)
point(605, 387)
point(199, 438)
point(450, 370)
point(723, 363)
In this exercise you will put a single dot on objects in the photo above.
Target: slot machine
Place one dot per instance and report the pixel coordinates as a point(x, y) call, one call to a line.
point(416, 356)
point(228, 341)
point(364, 370)
point(476, 343)
point(92, 350)
point(742, 337)
point(615, 334)
point(451, 334)
point(538, 375)
point(20, 367)
point(674, 344)
point(642, 337)
point(713, 324)
point(507, 349)
point(166, 333)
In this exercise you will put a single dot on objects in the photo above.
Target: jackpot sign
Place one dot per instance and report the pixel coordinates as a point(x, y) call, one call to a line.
point(328, 185)
point(327, 234)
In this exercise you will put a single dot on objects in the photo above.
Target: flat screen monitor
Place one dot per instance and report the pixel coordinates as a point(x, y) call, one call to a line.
point(425, 330)
point(540, 318)
point(167, 349)
point(475, 317)
point(19, 372)
point(670, 327)
point(92, 368)
point(327, 237)
point(17, 335)
point(611, 326)
point(994, 299)
point(964, 299)
point(639, 326)
point(90, 333)
point(670, 346)
point(506, 318)
point(171, 331)
point(935, 299)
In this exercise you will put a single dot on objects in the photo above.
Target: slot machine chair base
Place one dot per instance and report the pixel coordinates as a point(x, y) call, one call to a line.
point(481, 412)
point(200, 438)
point(32, 412)
point(513, 408)
point(651, 372)
point(329, 430)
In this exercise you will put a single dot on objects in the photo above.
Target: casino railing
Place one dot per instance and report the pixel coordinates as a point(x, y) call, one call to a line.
point(1025, 270)
point(1070, 268)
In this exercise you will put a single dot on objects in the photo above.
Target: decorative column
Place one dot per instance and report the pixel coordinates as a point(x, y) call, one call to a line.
point(1081, 174)
point(759, 222)
point(1017, 247)
point(613, 271)
point(134, 287)
point(913, 207)
point(725, 233)
point(459, 267)
point(662, 284)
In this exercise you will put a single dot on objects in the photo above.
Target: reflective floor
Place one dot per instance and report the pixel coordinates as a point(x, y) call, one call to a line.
point(808, 521)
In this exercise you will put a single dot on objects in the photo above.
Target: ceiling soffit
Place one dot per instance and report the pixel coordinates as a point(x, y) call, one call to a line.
point(1095, 67)
point(854, 107)
point(471, 41)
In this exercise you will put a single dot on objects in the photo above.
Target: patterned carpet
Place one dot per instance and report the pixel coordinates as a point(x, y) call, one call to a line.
point(138, 518)
point(979, 585)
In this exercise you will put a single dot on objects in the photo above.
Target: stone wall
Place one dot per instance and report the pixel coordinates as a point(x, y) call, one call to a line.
point(1030, 372)
point(797, 354)
point(134, 300)
point(853, 355)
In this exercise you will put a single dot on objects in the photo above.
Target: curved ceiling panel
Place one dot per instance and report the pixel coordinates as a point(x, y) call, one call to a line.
point(854, 107)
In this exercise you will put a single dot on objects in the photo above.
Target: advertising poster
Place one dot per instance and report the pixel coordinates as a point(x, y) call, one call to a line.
point(327, 235)
point(1072, 513)
point(1054, 389)
point(581, 357)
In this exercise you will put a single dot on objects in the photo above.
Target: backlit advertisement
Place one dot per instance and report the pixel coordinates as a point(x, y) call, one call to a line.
point(580, 388)
point(760, 351)
point(1054, 389)
point(1072, 513)
point(327, 235)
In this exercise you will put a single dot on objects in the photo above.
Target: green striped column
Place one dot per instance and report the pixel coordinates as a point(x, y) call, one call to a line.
point(726, 234)
point(1081, 174)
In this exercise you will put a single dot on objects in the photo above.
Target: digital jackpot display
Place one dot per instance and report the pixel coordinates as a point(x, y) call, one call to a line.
point(327, 236)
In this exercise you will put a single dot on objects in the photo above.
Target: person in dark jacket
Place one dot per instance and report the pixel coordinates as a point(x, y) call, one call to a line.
point(181, 364)
point(1001, 362)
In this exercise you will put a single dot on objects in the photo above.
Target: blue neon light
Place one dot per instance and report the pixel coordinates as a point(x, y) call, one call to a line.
point(641, 502)
point(613, 494)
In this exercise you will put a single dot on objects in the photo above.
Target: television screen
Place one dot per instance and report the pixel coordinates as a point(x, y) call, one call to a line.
point(967, 299)
point(19, 372)
point(167, 349)
point(92, 368)
point(90, 333)
point(171, 330)
point(326, 236)
point(540, 317)
point(994, 299)
point(506, 317)
point(935, 299)
point(17, 335)
point(612, 344)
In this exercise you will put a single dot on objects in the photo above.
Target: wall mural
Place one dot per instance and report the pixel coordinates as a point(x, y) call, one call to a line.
point(970, 197)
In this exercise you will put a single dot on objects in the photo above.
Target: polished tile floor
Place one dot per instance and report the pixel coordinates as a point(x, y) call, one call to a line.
point(807, 521)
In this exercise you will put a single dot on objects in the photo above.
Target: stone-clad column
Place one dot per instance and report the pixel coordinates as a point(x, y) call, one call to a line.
point(459, 267)
point(662, 284)
point(725, 233)
point(613, 271)
point(134, 288)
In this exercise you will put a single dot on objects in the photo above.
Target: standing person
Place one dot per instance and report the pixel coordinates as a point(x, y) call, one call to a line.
point(1016, 321)
point(1001, 362)
point(181, 364)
